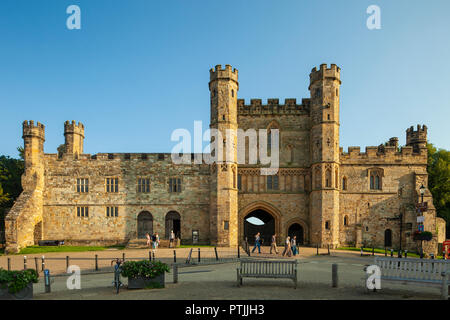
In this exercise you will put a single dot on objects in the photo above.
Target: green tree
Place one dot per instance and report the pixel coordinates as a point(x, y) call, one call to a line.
point(439, 180)
point(11, 171)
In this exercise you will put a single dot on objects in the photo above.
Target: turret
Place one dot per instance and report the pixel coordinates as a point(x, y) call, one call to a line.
point(33, 137)
point(74, 138)
point(223, 86)
point(324, 112)
point(417, 138)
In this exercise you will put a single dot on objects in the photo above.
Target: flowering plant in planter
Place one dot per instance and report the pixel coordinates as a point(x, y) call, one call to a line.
point(143, 269)
point(424, 235)
point(16, 281)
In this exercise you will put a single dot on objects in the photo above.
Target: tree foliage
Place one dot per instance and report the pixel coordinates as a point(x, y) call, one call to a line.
point(439, 180)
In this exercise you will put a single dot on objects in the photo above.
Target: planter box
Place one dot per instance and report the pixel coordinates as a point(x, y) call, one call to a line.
point(24, 294)
point(142, 283)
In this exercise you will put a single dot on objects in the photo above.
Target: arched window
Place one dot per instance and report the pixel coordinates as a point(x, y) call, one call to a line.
point(345, 220)
point(376, 178)
point(317, 179)
point(344, 183)
point(328, 178)
point(336, 179)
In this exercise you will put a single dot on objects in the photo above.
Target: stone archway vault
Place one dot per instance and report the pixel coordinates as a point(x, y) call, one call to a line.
point(259, 205)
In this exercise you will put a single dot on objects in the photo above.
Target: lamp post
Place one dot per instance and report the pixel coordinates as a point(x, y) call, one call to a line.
point(422, 192)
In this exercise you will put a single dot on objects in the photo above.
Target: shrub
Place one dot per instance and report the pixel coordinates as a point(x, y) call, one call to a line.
point(17, 280)
point(143, 269)
point(424, 235)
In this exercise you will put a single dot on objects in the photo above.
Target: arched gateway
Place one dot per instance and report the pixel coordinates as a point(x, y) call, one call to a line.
point(259, 217)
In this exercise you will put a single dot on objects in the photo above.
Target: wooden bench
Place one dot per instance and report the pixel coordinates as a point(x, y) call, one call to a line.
point(429, 272)
point(267, 269)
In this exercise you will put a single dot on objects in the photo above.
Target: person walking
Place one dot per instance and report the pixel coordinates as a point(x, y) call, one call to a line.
point(294, 245)
point(273, 244)
point(287, 247)
point(149, 240)
point(171, 239)
point(257, 243)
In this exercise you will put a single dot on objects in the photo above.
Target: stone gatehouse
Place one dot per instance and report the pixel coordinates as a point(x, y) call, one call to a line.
point(321, 193)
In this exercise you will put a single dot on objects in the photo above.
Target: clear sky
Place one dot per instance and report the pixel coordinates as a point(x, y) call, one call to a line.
point(138, 69)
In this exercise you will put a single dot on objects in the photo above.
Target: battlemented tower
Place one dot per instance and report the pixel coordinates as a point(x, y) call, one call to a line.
point(23, 224)
point(324, 198)
point(223, 87)
point(74, 138)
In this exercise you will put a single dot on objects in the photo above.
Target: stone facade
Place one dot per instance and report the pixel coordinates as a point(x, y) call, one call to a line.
point(336, 198)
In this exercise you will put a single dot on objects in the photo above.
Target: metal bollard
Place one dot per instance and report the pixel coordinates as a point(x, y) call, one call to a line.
point(406, 254)
point(96, 262)
point(361, 251)
point(47, 281)
point(373, 251)
point(9, 264)
point(239, 253)
point(175, 273)
point(24, 262)
point(175, 256)
point(217, 256)
point(328, 246)
point(385, 251)
point(199, 255)
point(123, 257)
point(67, 262)
point(392, 253)
point(153, 254)
point(432, 255)
point(334, 275)
point(150, 255)
point(43, 263)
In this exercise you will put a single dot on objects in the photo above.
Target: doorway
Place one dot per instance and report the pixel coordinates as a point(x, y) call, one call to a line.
point(296, 230)
point(145, 224)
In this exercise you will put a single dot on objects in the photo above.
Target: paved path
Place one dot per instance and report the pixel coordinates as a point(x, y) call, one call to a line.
point(209, 282)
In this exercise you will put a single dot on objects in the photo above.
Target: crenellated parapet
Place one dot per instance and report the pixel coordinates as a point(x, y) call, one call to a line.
point(74, 128)
point(30, 129)
point(417, 138)
point(383, 154)
point(228, 73)
point(325, 73)
point(273, 107)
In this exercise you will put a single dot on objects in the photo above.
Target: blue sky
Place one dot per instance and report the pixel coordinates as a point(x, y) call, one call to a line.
point(138, 69)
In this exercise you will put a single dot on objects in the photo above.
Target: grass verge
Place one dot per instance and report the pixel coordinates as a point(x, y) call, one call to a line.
point(45, 249)
point(378, 250)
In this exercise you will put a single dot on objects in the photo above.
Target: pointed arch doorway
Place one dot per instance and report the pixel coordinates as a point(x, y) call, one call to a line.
point(144, 224)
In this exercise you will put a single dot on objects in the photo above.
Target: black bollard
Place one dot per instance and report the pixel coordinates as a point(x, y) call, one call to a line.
point(406, 254)
point(392, 253)
point(174, 256)
point(67, 262)
point(217, 256)
point(199, 255)
point(150, 255)
point(239, 253)
point(24, 262)
point(328, 246)
point(43, 263)
point(153, 254)
point(96, 262)
point(9, 264)
point(123, 257)
point(373, 251)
